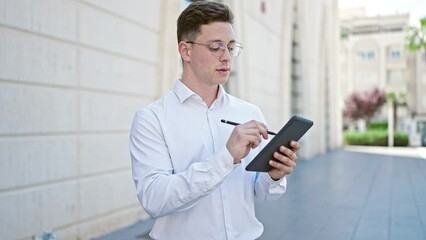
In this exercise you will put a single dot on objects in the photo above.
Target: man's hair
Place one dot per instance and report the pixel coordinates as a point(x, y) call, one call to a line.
point(201, 13)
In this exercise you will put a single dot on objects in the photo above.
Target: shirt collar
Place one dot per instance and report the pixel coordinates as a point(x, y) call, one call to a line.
point(183, 92)
point(220, 95)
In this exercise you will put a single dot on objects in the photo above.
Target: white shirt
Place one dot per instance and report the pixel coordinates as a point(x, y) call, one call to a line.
point(184, 174)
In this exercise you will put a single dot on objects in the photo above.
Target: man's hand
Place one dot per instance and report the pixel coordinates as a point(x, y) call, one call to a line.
point(245, 137)
point(284, 162)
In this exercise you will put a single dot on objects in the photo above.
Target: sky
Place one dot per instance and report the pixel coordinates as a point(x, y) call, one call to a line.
point(416, 8)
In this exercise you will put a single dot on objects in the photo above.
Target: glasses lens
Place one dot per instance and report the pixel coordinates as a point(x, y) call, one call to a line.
point(235, 49)
point(218, 49)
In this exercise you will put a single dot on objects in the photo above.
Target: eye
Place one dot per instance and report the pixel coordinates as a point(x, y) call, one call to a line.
point(231, 48)
point(215, 47)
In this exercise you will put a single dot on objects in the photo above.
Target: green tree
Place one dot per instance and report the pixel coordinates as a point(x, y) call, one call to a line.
point(397, 100)
point(415, 39)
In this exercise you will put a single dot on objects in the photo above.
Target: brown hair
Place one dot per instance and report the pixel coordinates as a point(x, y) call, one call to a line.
point(201, 13)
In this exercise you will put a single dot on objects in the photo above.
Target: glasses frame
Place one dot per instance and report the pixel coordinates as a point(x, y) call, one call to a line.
point(222, 47)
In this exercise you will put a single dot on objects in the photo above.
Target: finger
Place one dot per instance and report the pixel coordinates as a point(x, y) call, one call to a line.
point(284, 160)
point(295, 146)
point(281, 168)
point(252, 134)
point(261, 127)
point(244, 132)
point(288, 152)
point(254, 141)
point(264, 130)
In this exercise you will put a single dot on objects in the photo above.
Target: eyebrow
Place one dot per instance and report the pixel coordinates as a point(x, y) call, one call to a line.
point(217, 40)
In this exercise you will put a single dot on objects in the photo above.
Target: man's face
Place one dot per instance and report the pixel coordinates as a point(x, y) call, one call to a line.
point(209, 67)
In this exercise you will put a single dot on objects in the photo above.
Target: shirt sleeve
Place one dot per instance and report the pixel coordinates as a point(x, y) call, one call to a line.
point(159, 189)
point(267, 189)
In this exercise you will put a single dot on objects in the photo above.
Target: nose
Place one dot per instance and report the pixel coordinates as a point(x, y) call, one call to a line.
point(226, 55)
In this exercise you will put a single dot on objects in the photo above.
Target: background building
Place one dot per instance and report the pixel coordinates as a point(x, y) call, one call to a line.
point(73, 72)
point(373, 55)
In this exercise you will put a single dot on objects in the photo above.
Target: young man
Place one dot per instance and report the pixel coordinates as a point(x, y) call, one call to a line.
point(188, 167)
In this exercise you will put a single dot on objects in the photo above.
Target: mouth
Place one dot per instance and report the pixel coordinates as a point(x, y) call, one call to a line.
point(223, 70)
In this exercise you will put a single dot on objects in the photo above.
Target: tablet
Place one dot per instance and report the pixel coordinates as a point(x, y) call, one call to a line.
point(294, 129)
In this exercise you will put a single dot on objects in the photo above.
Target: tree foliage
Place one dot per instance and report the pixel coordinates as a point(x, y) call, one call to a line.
point(364, 105)
point(415, 38)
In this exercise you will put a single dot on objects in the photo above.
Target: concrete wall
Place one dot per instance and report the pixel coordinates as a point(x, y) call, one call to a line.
point(72, 73)
point(318, 34)
point(420, 76)
point(260, 76)
point(264, 69)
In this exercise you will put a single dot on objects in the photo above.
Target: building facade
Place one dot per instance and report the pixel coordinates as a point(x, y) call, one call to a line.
point(73, 72)
point(373, 55)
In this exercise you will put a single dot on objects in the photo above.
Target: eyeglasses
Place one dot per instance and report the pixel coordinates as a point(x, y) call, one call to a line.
point(218, 48)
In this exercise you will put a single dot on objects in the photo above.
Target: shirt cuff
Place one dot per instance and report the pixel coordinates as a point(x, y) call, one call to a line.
point(232, 159)
point(281, 182)
point(226, 162)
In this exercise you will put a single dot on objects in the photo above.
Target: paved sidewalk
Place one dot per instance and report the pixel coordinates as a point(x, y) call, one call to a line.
point(350, 193)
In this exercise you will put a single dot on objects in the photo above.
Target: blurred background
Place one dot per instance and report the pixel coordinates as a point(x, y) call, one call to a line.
point(73, 73)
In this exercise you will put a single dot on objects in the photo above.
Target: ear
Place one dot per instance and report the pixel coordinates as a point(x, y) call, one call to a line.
point(184, 51)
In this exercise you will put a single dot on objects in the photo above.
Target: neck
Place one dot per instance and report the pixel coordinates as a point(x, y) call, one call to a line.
point(207, 92)
point(209, 98)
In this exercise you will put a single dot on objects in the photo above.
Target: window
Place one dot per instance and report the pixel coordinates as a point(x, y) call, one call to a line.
point(366, 55)
point(394, 53)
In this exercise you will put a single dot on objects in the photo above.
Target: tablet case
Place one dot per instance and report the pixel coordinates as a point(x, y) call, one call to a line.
point(294, 129)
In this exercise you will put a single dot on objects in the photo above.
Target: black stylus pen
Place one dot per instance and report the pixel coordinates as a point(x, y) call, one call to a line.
point(235, 124)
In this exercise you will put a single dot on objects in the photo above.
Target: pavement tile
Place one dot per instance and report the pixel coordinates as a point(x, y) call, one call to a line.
point(344, 194)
